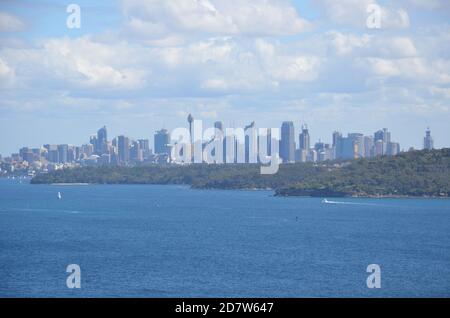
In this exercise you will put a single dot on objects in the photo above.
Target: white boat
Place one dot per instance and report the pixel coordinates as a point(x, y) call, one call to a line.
point(59, 196)
point(325, 201)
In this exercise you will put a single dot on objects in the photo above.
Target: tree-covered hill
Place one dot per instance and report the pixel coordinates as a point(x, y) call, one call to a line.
point(416, 173)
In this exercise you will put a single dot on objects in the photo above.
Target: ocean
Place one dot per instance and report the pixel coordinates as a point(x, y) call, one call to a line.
point(173, 241)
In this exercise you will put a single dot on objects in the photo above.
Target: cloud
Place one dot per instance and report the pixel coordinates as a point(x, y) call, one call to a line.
point(197, 56)
point(75, 63)
point(10, 23)
point(221, 65)
point(7, 74)
point(428, 4)
point(287, 67)
point(388, 46)
point(159, 19)
point(354, 13)
point(346, 43)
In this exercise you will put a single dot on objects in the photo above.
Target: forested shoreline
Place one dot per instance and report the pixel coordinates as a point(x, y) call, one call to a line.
point(415, 173)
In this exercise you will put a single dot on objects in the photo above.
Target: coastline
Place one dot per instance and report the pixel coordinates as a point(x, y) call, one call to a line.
point(356, 196)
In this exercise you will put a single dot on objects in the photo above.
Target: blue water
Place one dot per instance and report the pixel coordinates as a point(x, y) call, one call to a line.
point(171, 241)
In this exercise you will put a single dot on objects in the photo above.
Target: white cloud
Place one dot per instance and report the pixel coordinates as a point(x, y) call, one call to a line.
point(385, 46)
point(354, 13)
point(428, 4)
point(78, 63)
point(287, 67)
point(413, 68)
point(10, 23)
point(155, 19)
point(346, 43)
point(7, 74)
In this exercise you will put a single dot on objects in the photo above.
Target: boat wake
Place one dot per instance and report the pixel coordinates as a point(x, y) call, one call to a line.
point(325, 201)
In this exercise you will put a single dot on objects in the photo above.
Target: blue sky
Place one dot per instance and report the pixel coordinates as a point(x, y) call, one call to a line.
point(137, 66)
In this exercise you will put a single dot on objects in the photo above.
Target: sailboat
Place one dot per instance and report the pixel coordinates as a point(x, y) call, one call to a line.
point(59, 195)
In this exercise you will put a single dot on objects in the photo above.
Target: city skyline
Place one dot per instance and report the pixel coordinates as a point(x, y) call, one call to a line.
point(140, 66)
point(297, 132)
point(291, 146)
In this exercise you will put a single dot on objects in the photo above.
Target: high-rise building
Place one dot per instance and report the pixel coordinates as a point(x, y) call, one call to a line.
point(368, 147)
point(93, 142)
point(393, 149)
point(27, 154)
point(220, 134)
point(78, 152)
point(87, 149)
point(144, 145)
point(337, 145)
point(101, 145)
point(218, 125)
point(385, 136)
point(123, 144)
point(52, 153)
point(428, 143)
point(304, 139)
point(136, 153)
point(70, 153)
point(251, 143)
point(62, 153)
point(269, 141)
point(348, 148)
point(358, 144)
point(378, 148)
point(162, 141)
point(287, 142)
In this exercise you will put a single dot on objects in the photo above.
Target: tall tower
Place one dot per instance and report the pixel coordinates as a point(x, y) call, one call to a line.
point(190, 119)
point(428, 143)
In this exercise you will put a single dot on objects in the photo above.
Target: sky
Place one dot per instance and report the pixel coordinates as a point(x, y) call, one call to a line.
point(137, 66)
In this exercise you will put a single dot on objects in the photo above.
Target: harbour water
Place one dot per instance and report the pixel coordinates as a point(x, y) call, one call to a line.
point(172, 241)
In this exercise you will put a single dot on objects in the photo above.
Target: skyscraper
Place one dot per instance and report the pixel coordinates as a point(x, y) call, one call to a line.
point(136, 153)
point(393, 149)
point(162, 141)
point(144, 145)
point(251, 143)
point(287, 142)
point(358, 144)
point(101, 145)
point(304, 139)
point(93, 142)
point(337, 145)
point(348, 147)
point(385, 136)
point(428, 143)
point(123, 144)
point(62, 153)
point(218, 125)
point(220, 134)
